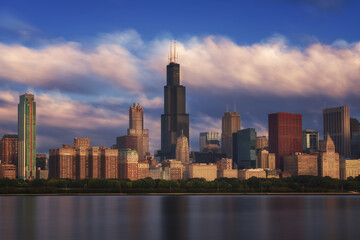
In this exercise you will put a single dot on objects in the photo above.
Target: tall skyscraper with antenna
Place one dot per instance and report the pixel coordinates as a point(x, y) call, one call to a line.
point(175, 120)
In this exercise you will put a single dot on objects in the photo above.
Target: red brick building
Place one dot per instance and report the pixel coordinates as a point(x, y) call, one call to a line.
point(109, 163)
point(143, 170)
point(62, 163)
point(128, 164)
point(9, 149)
point(7, 171)
point(285, 135)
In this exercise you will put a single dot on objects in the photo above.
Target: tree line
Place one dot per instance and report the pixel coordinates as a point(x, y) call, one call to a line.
point(295, 184)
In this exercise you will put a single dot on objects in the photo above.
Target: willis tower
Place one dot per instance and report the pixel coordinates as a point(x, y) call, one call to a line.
point(175, 120)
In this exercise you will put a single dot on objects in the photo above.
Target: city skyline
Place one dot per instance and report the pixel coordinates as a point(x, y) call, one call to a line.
point(218, 67)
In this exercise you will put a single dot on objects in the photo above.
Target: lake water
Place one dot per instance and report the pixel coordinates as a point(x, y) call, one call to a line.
point(180, 217)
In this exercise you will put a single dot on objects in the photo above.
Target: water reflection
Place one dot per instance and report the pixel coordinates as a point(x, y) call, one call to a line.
point(180, 217)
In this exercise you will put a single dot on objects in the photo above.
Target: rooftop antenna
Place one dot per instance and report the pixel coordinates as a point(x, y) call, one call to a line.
point(174, 51)
point(234, 106)
point(170, 51)
point(227, 108)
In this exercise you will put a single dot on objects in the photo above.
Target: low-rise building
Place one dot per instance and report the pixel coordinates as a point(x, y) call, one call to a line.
point(301, 164)
point(272, 173)
point(202, 170)
point(8, 171)
point(128, 164)
point(155, 172)
point(245, 174)
point(172, 169)
point(227, 173)
point(349, 168)
point(224, 163)
point(143, 170)
point(42, 174)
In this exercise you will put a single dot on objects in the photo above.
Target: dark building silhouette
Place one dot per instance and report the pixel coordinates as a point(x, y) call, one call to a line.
point(175, 120)
point(337, 125)
point(244, 148)
point(285, 135)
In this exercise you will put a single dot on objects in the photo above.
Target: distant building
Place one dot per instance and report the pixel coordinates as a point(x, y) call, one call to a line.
point(301, 164)
point(272, 173)
point(175, 120)
point(42, 174)
point(182, 149)
point(349, 168)
point(244, 148)
point(328, 162)
point(227, 173)
point(155, 172)
point(310, 141)
point(172, 169)
point(355, 137)
point(82, 161)
point(9, 149)
point(128, 164)
point(231, 123)
point(262, 142)
point(207, 138)
point(42, 161)
point(109, 163)
point(8, 171)
point(143, 170)
point(264, 159)
point(202, 170)
point(337, 124)
point(27, 137)
point(224, 163)
point(245, 174)
point(137, 137)
point(285, 135)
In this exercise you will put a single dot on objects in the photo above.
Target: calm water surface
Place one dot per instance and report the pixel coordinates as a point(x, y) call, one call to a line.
point(180, 217)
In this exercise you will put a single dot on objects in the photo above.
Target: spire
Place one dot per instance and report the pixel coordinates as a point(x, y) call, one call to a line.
point(234, 106)
point(170, 58)
point(173, 56)
point(227, 108)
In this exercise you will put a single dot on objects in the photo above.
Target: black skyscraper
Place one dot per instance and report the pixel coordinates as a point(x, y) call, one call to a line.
point(175, 120)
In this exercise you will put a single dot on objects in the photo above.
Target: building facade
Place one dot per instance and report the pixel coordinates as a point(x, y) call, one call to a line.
point(337, 125)
point(231, 123)
point(175, 120)
point(109, 163)
point(27, 137)
point(245, 174)
point(244, 148)
point(328, 159)
point(202, 170)
point(207, 138)
point(262, 142)
point(128, 164)
point(143, 170)
point(9, 149)
point(310, 141)
point(266, 160)
point(301, 164)
point(349, 168)
point(285, 135)
point(182, 149)
point(8, 171)
point(172, 169)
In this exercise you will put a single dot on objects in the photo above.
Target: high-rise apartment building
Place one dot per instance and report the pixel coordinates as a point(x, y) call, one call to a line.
point(231, 123)
point(337, 125)
point(175, 120)
point(27, 137)
point(285, 135)
point(182, 149)
point(310, 141)
point(207, 138)
point(137, 137)
point(9, 149)
point(244, 148)
point(109, 163)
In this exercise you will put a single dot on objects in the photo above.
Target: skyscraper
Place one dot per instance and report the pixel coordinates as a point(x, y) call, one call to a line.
point(175, 120)
point(9, 149)
point(285, 135)
point(137, 137)
point(27, 137)
point(244, 148)
point(337, 124)
point(231, 123)
point(310, 141)
point(328, 159)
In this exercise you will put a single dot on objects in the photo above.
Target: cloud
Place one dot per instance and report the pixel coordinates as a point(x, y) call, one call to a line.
point(10, 23)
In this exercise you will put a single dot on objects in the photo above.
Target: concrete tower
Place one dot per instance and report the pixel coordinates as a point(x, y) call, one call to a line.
point(27, 137)
point(328, 161)
point(182, 149)
point(175, 120)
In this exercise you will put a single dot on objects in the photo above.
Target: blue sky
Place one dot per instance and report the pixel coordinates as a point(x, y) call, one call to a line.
point(87, 61)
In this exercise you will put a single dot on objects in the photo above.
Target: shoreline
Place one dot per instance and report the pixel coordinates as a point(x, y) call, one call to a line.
point(177, 194)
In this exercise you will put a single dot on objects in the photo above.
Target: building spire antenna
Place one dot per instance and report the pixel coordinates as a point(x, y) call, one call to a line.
point(227, 108)
point(174, 51)
point(234, 106)
point(171, 57)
